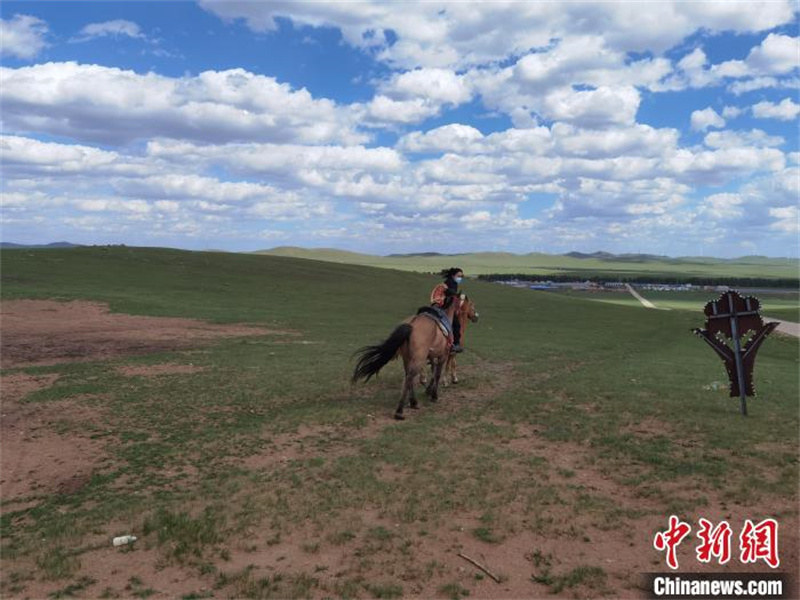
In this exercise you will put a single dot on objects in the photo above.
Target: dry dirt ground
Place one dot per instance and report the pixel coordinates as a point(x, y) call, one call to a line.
point(37, 460)
point(46, 332)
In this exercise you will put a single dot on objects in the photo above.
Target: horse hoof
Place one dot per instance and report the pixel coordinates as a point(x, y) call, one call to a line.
point(415, 406)
point(399, 416)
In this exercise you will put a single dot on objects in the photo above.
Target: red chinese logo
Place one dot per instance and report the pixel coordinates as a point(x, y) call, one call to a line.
point(756, 542)
point(760, 542)
point(715, 541)
point(670, 539)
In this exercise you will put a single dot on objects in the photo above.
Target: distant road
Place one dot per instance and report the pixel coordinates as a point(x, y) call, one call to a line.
point(787, 327)
point(645, 302)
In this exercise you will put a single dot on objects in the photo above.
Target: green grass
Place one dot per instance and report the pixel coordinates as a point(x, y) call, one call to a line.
point(592, 577)
point(779, 305)
point(578, 371)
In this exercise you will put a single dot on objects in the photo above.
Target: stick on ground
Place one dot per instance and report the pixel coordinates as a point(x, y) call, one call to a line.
point(480, 566)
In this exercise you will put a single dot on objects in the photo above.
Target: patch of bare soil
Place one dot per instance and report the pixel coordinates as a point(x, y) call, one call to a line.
point(156, 370)
point(36, 460)
point(16, 386)
point(122, 572)
point(46, 332)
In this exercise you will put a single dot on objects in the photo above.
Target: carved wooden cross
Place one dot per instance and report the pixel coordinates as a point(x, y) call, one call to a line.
point(732, 317)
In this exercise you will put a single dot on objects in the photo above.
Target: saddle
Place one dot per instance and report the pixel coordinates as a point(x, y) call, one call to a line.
point(438, 315)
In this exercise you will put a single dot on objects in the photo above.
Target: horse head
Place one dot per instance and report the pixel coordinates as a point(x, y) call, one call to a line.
point(468, 309)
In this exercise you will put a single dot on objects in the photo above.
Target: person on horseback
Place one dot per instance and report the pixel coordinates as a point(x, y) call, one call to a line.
point(452, 279)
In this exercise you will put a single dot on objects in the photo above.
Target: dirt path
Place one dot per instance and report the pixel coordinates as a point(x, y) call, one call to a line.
point(645, 302)
point(787, 327)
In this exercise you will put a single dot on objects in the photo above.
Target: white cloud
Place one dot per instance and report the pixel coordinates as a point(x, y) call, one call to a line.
point(638, 140)
point(446, 34)
point(281, 158)
point(723, 206)
point(766, 65)
point(96, 103)
point(592, 108)
point(22, 36)
point(442, 86)
point(113, 205)
point(190, 186)
point(116, 28)
point(787, 219)
point(776, 55)
point(731, 112)
point(703, 119)
point(22, 155)
point(448, 138)
point(734, 139)
point(785, 110)
point(383, 110)
point(718, 166)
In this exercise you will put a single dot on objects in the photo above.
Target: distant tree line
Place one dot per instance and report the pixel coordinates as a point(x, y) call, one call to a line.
point(672, 278)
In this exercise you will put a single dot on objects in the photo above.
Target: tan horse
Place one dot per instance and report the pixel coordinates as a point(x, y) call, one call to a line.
point(418, 342)
point(466, 313)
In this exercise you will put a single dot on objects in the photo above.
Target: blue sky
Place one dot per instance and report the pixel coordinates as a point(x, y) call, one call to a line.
point(668, 128)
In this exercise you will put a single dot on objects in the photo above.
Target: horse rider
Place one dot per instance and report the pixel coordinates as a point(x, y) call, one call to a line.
point(452, 279)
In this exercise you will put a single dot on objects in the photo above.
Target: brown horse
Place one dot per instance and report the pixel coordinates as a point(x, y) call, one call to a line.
point(466, 314)
point(418, 341)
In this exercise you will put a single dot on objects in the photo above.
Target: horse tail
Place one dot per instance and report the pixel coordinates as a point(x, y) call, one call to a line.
point(374, 358)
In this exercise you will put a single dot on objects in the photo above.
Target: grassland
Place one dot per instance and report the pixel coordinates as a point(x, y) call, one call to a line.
point(579, 427)
point(778, 305)
point(483, 263)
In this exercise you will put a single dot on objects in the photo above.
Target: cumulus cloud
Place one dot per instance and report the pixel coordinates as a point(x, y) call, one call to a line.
point(785, 110)
point(766, 65)
point(110, 105)
point(787, 219)
point(636, 140)
point(280, 158)
point(723, 206)
point(234, 150)
point(703, 119)
point(448, 138)
point(443, 34)
point(116, 28)
point(733, 139)
point(22, 36)
point(22, 156)
point(591, 108)
point(776, 55)
point(442, 86)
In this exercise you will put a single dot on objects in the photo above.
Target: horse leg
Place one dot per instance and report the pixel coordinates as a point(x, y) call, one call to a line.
point(433, 386)
point(452, 365)
point(413, 369)
point(398, 414)
point(412, 397)
point(423, 378)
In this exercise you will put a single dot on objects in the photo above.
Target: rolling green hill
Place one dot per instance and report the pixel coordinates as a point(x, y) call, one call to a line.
point(574, 264)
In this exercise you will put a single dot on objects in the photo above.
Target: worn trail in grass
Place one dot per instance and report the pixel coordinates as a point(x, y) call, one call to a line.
point(260, 472)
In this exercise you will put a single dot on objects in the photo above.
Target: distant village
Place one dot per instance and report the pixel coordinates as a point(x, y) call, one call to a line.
point(614, 286)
